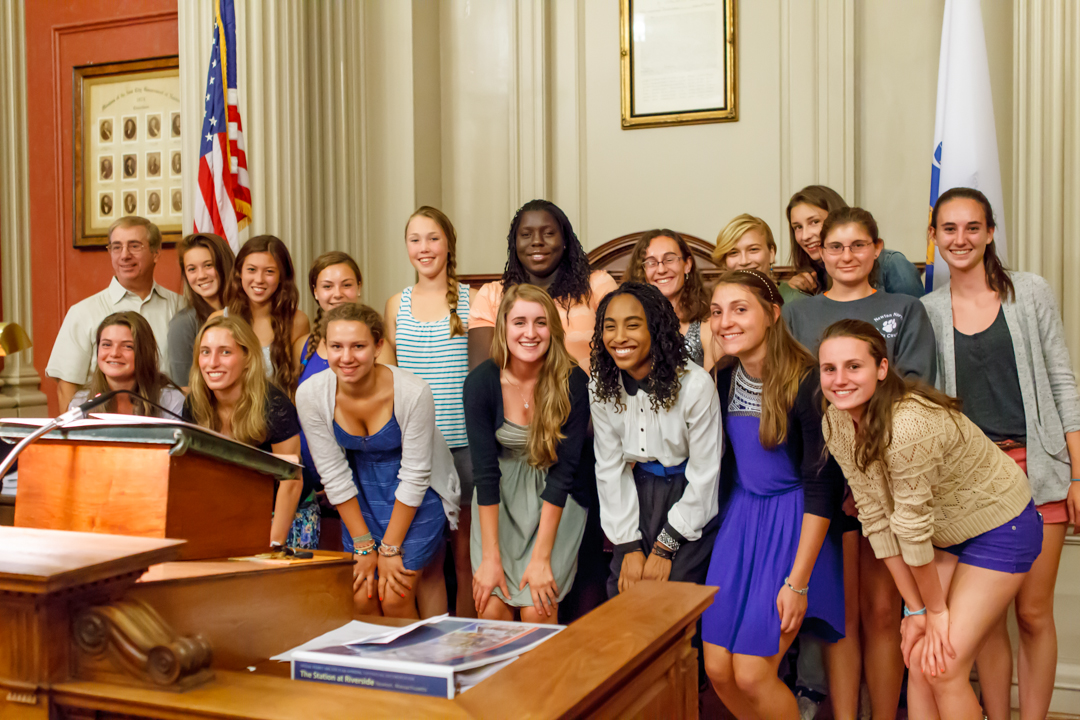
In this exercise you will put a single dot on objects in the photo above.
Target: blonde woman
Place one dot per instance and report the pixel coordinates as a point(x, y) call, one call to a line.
point(231, 394)
point(427, 328)
point(527, 412)
point(747, 243)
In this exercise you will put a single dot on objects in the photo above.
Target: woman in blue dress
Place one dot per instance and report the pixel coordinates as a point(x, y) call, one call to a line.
point(383, 462)
point(775, 563)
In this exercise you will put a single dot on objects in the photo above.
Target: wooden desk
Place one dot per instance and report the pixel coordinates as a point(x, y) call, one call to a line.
point(629, 658)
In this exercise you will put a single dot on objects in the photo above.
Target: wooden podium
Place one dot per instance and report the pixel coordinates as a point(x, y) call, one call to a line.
point(154, 480)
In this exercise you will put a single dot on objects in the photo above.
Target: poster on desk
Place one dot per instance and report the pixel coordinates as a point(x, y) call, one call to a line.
point(424, 661)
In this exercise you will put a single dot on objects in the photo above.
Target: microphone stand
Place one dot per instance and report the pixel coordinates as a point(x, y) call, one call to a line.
point(72, 415)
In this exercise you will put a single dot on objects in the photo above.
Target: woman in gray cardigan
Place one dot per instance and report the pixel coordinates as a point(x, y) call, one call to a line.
point(385, 466)
point(1001, 350)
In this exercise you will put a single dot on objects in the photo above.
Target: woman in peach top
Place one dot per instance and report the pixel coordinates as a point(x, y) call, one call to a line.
point(543, 251)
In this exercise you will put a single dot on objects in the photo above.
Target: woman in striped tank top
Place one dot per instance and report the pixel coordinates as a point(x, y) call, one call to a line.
point(427, 334)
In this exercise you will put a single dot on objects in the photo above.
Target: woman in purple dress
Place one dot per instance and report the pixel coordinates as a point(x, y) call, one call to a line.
point(774, 560)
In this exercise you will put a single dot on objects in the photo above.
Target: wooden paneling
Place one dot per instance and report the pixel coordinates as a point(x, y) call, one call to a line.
point(139, 489)
point(269, 609)
point(60, 36)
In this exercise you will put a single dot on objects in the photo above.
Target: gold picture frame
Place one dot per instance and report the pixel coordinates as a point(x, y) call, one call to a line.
point(678, 62)
point(126, 132)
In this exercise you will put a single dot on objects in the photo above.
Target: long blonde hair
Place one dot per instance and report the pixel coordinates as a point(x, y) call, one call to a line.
point(249, 416)
point(552, 392)
point(447, 227)
point(787, 362)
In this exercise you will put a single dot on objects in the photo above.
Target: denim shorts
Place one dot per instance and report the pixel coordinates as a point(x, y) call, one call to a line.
point(1009, 548)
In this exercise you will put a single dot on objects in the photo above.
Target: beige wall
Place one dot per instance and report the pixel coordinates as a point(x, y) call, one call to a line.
point(897, 46)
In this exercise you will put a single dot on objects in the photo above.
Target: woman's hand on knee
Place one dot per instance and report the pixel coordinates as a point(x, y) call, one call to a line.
point(936, 645)
point(912, 630)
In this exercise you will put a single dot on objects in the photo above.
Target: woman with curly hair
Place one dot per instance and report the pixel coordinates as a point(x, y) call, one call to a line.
point(263, 293)
point(657, 423)
point(527, 412)
point(231, 394)
point(948, 512)
point(543, 251)
point(774, 561)
point(663, 259)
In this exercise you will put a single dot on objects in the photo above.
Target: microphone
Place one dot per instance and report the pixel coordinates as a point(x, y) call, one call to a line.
point(81, 411)
point(75, 413)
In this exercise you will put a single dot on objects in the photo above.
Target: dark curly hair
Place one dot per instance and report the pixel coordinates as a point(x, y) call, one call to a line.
point(572, 283)
point(668, 354)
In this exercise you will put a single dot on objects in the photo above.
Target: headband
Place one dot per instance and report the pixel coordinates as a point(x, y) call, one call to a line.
point(765, 284)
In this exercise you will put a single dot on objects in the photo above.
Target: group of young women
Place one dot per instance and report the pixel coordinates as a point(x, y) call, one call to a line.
point(565, 434)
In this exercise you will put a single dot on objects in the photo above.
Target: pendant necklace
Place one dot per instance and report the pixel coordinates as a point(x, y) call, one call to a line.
point(517, 388)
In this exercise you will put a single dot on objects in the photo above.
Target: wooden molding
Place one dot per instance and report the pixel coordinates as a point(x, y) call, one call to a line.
point(138, 644)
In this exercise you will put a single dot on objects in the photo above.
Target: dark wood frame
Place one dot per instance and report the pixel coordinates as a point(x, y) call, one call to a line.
point(97, 238)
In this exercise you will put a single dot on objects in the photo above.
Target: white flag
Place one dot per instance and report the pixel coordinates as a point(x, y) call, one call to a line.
point(965, 140)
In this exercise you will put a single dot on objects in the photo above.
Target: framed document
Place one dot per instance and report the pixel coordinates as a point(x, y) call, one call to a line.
point(127, 147)
point(679, 62)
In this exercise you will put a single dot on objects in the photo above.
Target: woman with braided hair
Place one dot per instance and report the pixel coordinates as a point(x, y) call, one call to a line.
point(334, 279)
point(657, 423)
point(427, 328)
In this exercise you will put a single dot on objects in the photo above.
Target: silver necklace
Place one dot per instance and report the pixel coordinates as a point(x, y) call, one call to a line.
point(517, 388)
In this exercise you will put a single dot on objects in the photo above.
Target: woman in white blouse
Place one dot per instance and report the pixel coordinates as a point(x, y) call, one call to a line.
point(657, 422)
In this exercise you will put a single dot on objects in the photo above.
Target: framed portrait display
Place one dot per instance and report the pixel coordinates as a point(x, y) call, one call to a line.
point(678, 62)
point(127, 147)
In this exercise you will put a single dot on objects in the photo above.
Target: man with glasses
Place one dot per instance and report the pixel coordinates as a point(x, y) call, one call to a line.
point(134, 245)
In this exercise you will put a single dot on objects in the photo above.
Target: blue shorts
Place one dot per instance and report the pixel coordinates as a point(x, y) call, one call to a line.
point(1009, 548)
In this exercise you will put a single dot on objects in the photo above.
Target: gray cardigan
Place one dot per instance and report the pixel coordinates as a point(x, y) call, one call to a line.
point(425, 457)
point(1047, 383)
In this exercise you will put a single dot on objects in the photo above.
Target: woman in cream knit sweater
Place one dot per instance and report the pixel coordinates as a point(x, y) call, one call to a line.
point(949, 513)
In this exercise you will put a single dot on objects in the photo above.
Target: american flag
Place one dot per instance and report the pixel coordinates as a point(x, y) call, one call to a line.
point(223, 203)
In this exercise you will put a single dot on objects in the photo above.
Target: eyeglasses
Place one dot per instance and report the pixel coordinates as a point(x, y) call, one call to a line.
point(859, 247)
point(670, 260)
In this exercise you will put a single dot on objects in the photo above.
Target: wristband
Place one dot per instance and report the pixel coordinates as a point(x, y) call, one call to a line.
point(364, 549)
point(388, 551)
point(662, 552)
point(1076, 479)
point(803, 592)
point(909, 613)
point(360, 540)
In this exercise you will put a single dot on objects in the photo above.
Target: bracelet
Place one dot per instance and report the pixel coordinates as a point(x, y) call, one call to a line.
point(668, 541)
point(389, 551)
point(664, 553)
point(365, 548)
point(1076, 479)
point(361, 539)
point(909, 613)
point(792, 588)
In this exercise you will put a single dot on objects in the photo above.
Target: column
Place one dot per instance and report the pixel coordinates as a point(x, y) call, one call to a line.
point(20, 392)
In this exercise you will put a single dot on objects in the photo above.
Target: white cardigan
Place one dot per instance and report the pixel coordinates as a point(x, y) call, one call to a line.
point(425, 457)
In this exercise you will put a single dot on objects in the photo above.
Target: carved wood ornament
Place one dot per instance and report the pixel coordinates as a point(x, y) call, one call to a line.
point(138, 644)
